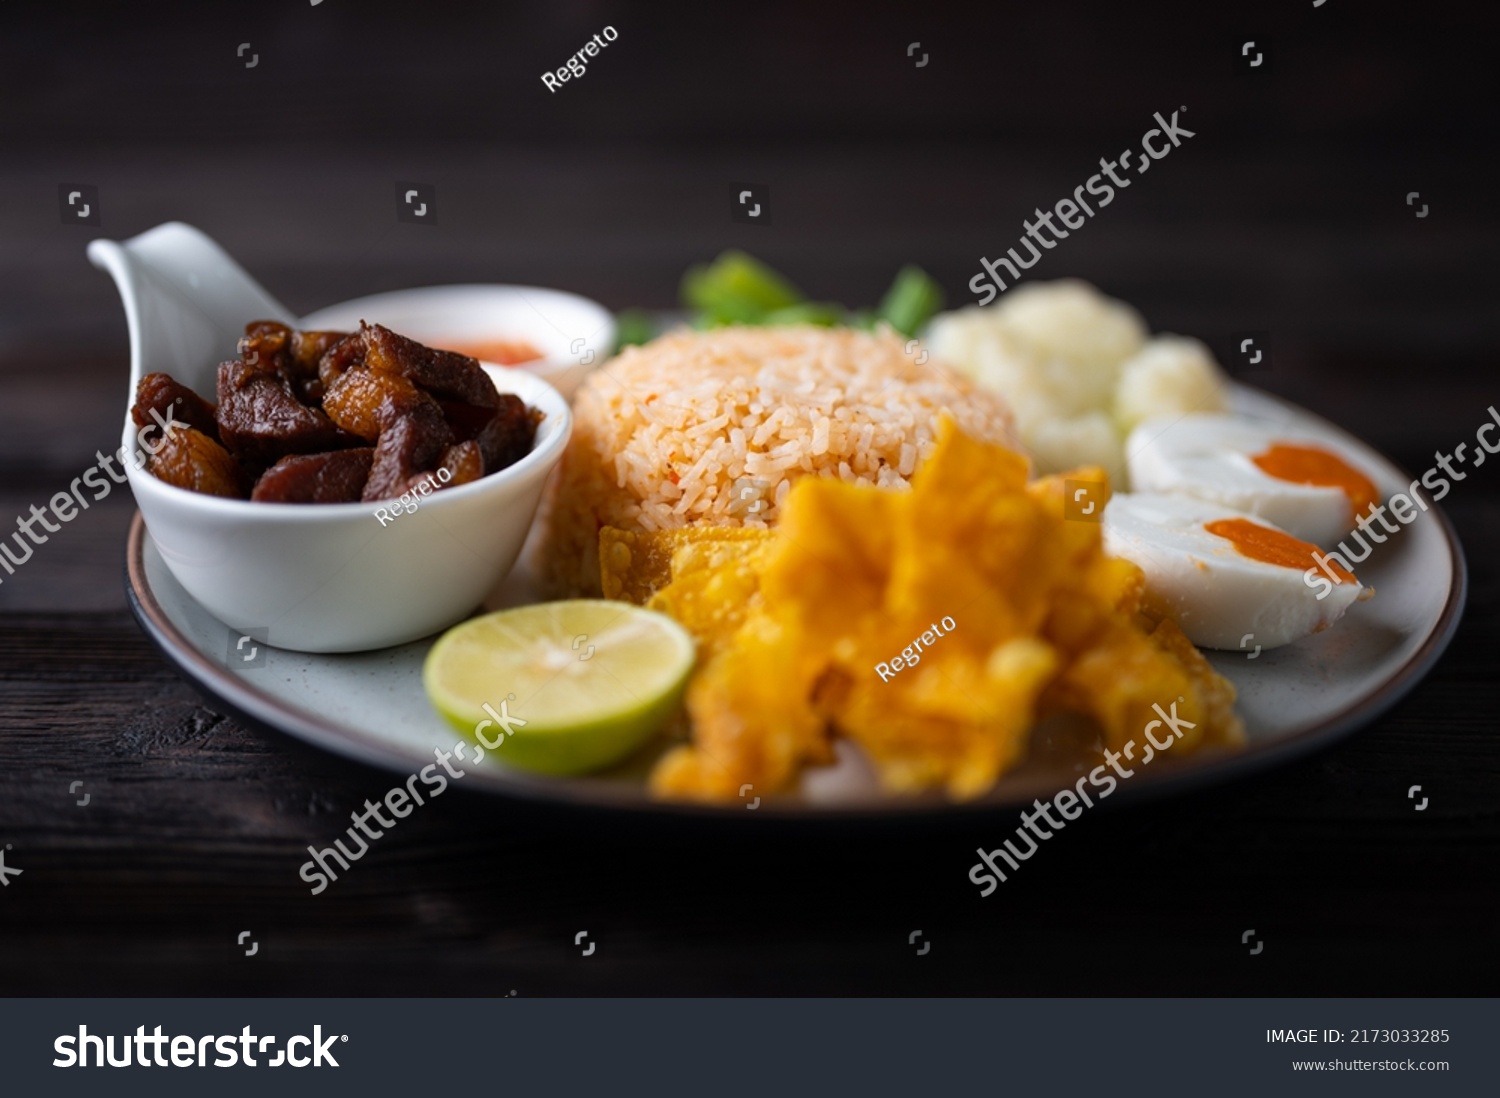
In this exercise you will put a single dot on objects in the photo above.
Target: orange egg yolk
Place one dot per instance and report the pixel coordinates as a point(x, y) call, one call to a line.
point(1310, 465)
point(1262, 543)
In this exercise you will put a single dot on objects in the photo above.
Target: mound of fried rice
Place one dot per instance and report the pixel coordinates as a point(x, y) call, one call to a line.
point(714, 427)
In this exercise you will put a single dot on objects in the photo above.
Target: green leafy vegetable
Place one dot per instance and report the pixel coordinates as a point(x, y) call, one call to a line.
point(911, 301)
point(739, 289)
point(827, 314)
point(634, 326)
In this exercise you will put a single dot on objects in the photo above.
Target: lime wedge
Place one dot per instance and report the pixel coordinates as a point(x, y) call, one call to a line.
point(560, 687)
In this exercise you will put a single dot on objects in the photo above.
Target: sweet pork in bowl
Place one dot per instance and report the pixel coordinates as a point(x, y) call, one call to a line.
point(315, 577)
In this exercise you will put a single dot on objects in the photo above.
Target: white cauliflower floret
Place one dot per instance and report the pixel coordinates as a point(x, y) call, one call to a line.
point(1172, 376)
point(954, 337)
point(1059, 445)
point(1077, 369)
point(1051, 348)
point(991, 358)
point(1070, 321)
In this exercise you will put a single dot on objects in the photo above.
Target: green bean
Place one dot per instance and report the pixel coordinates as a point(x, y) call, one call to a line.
point(826, 314)
point(736, 288)
point(911, 301)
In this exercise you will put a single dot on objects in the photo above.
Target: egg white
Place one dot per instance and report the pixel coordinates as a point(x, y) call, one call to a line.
point(1219, 597)
point(1208, 457)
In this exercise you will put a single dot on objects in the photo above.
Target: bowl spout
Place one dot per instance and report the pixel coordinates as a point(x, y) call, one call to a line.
point(186, 302)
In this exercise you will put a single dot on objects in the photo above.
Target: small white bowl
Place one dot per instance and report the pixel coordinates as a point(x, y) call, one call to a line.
point(331, 577)
point(573, 333)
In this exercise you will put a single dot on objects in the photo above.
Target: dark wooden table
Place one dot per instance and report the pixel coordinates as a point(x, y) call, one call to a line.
point(1287, 215)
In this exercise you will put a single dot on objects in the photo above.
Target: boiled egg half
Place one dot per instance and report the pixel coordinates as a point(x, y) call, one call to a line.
point(1307, 487)
point(1229, 579)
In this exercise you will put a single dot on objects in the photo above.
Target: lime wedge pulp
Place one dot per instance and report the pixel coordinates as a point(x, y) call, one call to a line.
point(560, 687)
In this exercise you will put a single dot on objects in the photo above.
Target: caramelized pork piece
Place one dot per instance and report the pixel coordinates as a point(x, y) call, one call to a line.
point(445, 374)
point(344, 355)
point(464, 463)
point(408, 448)
point(276, 348)
point(465, 419)
point(190, 459)
point(171, 401)
point(261, 420)
point(304, 353)
point(338, 477)
point(310, 391)
point(264, 346)
point(509, 435)
point(298, 412)
point(368, 404)
point(307, 349)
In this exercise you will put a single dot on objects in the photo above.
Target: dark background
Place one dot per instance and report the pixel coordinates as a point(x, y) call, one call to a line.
point(1286, 214)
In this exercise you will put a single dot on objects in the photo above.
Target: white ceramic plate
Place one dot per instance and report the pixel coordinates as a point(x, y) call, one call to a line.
point(371, 706)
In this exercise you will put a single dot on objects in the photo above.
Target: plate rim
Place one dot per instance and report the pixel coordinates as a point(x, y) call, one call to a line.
point(267, 711)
